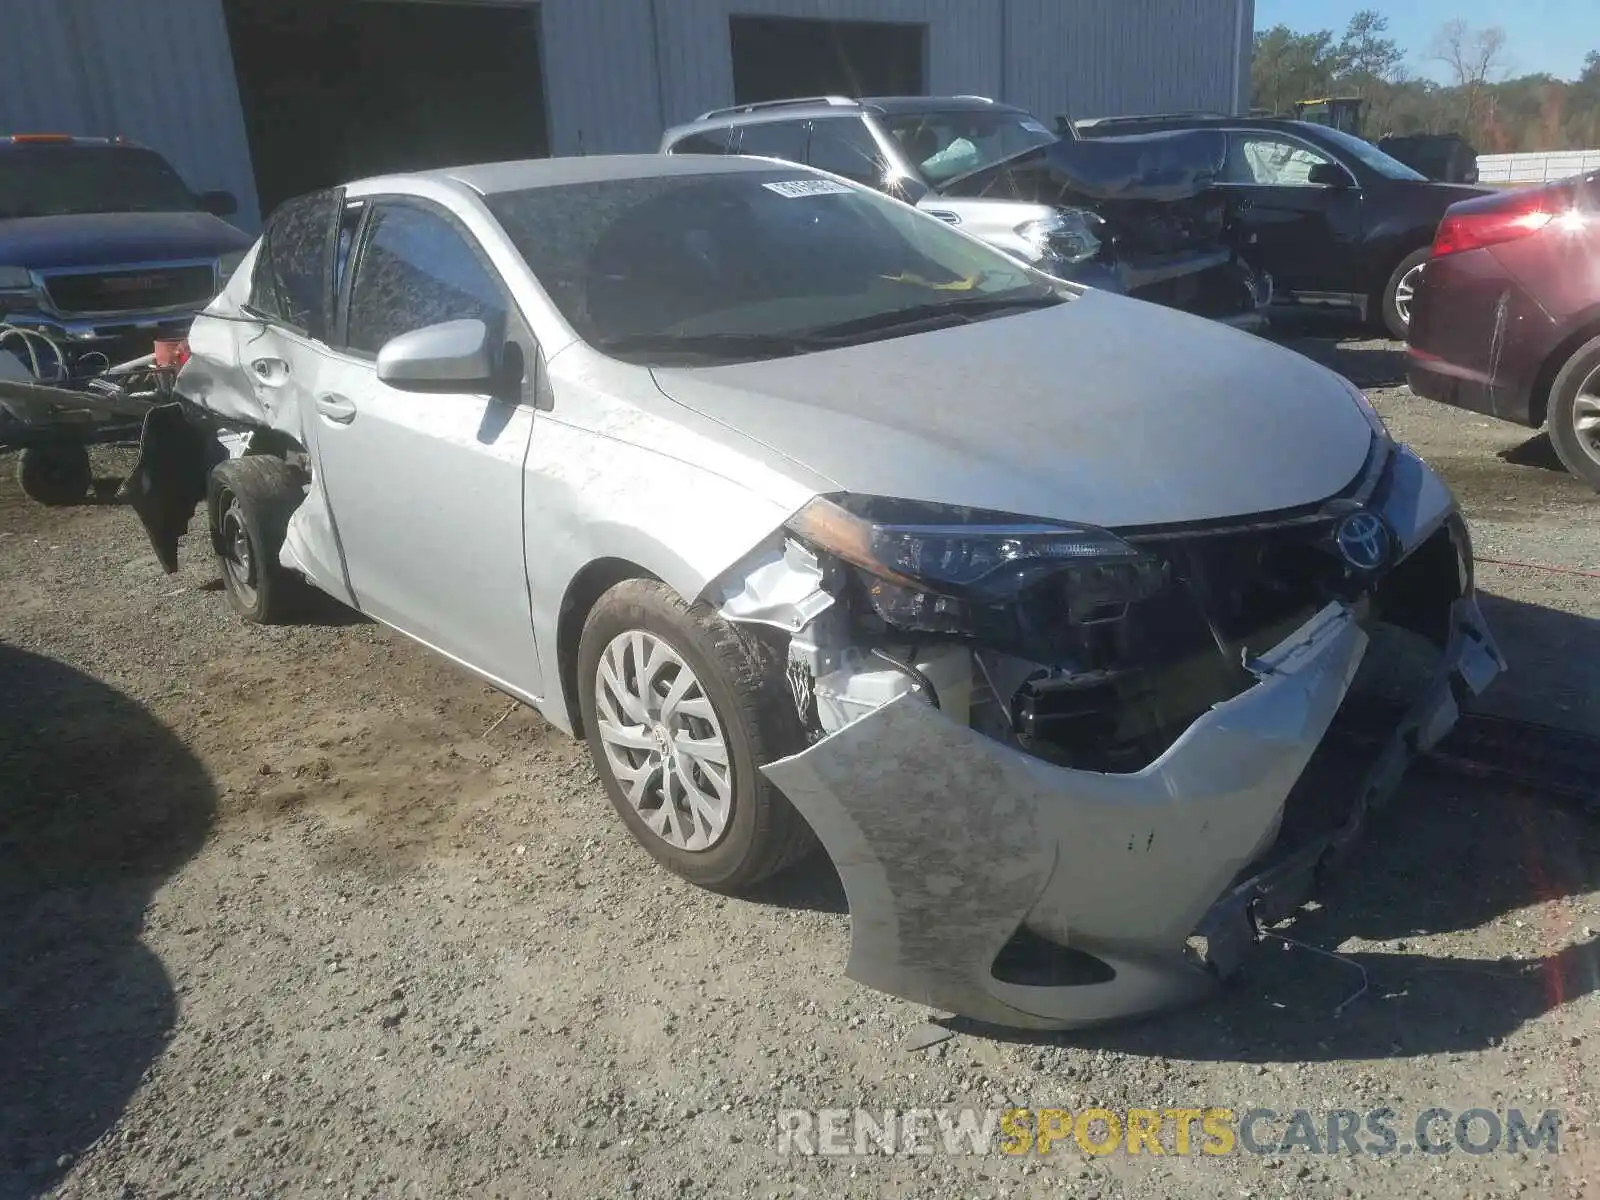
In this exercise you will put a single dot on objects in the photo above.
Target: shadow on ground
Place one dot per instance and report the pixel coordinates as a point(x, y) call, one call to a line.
point(1552, 656)
point(1537, 451)
point(99, 804)
point(1367, 364)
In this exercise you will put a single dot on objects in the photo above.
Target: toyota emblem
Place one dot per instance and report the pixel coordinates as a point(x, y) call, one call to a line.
point(1363, 541)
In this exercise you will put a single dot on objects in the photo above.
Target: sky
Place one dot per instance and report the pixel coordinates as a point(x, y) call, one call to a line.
point(1542, 35)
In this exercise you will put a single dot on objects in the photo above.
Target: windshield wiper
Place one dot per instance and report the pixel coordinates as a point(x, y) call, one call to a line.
point(711, 345)
point(936, 315)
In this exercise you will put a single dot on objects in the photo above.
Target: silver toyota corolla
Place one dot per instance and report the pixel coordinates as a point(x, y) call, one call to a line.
point(823, 521)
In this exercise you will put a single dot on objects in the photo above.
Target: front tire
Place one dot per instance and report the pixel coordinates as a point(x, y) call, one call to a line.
point(1401, 292)
point(250, 501)
point(55, 475)
point(681, 709)
point(1575, 414)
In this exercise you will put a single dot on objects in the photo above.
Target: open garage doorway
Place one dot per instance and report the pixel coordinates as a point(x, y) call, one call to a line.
point(778, 57)
point(338, 89)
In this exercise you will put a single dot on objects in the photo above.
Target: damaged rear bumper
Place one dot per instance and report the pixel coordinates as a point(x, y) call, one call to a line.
point(953, 846)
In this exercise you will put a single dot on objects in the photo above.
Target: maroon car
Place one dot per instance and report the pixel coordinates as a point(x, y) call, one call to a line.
point(1507, 318)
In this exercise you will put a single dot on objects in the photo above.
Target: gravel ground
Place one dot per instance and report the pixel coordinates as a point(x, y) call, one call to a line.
point(295, 912)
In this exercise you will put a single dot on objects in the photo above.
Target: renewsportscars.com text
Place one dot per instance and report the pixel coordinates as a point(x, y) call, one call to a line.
point(1378, 1132)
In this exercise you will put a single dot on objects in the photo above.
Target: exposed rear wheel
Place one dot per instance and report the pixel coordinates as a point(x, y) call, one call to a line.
point(1575, 414)
point(681, 709)
point(1401, 291)
point(250, 500)
point(55, 475)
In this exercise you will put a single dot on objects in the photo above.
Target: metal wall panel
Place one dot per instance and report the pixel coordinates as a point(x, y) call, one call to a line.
point(619, 71)
point(42, 84)
point(157, 71)
point(1092, 59)
point(622, 70)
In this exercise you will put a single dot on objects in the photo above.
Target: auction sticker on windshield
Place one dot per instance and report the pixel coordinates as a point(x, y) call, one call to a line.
point(796, 188)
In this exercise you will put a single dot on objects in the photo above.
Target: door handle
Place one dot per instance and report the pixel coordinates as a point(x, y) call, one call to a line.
point(270, 371)
point(337, 409)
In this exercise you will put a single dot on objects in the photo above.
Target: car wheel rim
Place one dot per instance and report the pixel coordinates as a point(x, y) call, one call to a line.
point(238, 560)
point(1586, 415)
point(663, 741)
point(1405, 292)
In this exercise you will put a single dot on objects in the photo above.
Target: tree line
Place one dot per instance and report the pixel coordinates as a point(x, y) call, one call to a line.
point(1482, 101)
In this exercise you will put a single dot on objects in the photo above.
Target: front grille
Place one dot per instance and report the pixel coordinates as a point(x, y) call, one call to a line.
point(131, 291)
point(1138, 679)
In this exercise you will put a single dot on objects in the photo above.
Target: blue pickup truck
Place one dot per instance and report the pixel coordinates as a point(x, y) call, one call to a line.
point(104, 249)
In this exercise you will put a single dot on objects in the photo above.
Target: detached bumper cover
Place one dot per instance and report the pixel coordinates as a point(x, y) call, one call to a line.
point(949, 842)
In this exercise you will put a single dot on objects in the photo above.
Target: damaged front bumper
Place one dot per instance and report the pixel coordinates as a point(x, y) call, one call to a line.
point(949, 843)
point(988, 882)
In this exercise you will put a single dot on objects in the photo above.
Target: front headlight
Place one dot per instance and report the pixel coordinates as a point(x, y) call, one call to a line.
point(1069, 235)
point(15, 279)
point(227, 265)
point(936, 567)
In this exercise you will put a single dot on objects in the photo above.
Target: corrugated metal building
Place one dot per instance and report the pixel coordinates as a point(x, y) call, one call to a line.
point(269, 97)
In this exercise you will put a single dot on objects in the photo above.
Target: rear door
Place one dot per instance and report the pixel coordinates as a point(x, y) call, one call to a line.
point(428, 488)
point(1307, 234)
point(291, 290)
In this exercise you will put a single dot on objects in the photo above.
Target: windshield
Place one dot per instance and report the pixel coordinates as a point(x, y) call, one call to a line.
point(751, 264)
point(942, 144)
point(62, 180)
point(1389, 168)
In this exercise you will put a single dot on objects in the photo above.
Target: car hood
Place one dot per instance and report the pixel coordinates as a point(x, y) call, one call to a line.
point(114, 239)
point(1103, 410)
point(1161, 167)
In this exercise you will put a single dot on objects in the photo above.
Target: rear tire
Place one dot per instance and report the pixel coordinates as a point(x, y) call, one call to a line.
point(1400, 292)
point(250, 501)
point(55, 475)
point(1574, 419)
point(742, 700)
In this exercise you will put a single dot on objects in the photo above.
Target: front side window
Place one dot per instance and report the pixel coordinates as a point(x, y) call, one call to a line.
point(1267, 160)
point(417, 269)
point(845, 146)
point(292, 275)
point(749, 264)
point(942, 144)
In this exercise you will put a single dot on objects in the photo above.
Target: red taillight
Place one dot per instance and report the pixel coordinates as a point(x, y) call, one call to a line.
point(1474, 230)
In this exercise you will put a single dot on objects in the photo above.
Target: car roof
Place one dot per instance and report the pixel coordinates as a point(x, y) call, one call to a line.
point(488, 179)
point(1202, 121)
point(804, 108)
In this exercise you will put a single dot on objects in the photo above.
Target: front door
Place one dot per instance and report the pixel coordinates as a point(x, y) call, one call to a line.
point(1307, 232)
point(427, 488)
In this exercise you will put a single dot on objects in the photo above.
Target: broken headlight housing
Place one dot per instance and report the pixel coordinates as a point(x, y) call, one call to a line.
point(958, 571)
point(1068, 236)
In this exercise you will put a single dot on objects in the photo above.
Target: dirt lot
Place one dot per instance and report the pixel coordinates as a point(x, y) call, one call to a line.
point(294, 911)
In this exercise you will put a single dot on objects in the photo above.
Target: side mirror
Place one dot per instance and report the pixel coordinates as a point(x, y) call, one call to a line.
point(1327, 174)
point(219, 204)
point(453, 356)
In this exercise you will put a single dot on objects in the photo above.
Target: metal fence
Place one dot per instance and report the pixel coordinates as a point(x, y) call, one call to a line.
point(1541, 167)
